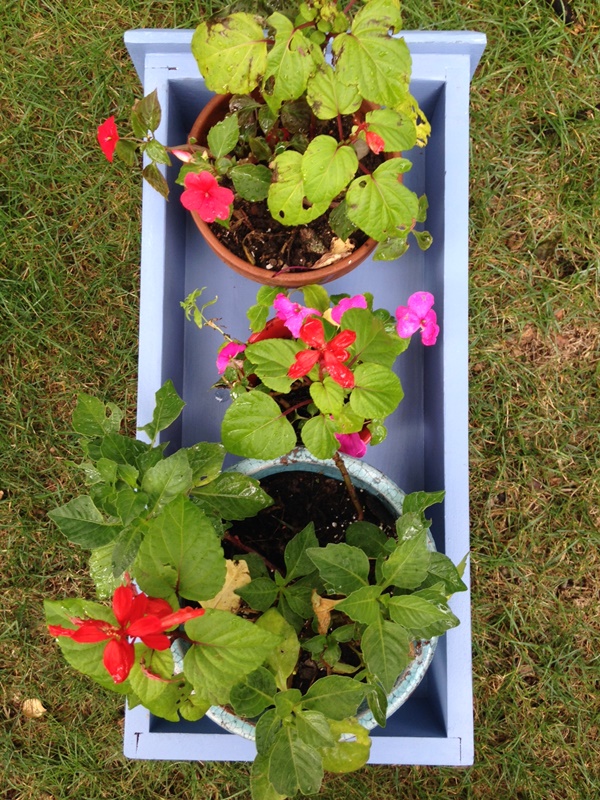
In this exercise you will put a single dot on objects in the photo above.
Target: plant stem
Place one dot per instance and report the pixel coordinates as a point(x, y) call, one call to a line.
point(234, 540)
point(339, 462)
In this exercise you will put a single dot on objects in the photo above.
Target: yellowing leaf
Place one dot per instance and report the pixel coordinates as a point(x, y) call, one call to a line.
point(323, 606)
point(32, 708)
point(237, 575)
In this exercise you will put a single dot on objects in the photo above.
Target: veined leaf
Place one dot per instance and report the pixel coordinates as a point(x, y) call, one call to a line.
point(328, 96)
point(232, 496)
point(254, 427)
point(377, 391)
point(81, 522)
point(336, 696)
point(344, 569)
point(318, 435)
point(294, 766)
point(92, 417)
point(386, 650)
point(408, 564)
point(420, 617)
point(287, 196)
point(347, 754)
point(167, 479)
point(327, 168)
point(362, 605)
point(168, 407)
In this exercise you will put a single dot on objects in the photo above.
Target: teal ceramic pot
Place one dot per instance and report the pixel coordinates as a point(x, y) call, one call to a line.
point(364, 477)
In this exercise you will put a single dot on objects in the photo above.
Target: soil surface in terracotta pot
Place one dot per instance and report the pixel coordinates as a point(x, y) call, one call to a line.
point(300, 498)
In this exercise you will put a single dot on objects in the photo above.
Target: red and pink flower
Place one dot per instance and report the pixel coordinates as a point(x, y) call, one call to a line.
point(418, 314)
point(108, 137)
point(137, 616)
point(204, 195)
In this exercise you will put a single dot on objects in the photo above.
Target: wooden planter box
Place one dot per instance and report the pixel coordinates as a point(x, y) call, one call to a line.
point(426, 448)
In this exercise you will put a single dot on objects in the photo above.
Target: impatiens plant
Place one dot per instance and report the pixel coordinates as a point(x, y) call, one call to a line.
point(307, 135)
point(318, 374)
point(188, 628)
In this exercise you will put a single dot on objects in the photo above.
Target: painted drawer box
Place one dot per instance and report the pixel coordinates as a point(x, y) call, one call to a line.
point(426, 448)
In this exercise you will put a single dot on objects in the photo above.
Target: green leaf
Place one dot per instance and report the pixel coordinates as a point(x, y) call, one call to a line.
point(180, 554)
point(294, 766)
point(162, 694)
point(260, 786)
point(318, 436)
point(442, 569)
point(232, 496)
point(397, 130)
point(168, 479)
point(407, 566)
point(251, 181)
point(424, 239)
point(363, 56)
point(391, 249)
point(206, 461)
point(146, 114)
point(271, 360)
point(377, 700)
point(417, 502)
point(156, 179)
point(327, 168)
point(81, 522)
point(313, 728)
point(297, 562)
point(101, 571)
point(168, 407)
point(232, 54)
point(260, 594)
point(251, 696)
point(126, 548)
point(286, 701)
point(362, 605)
point(316, 296)
point(126, 152)
point(379, 204)
point(371, 539)
point(410, 525)
point(282, 660)
point(328, 96)
point(336, 696)
point(253, 427)
point(290, 62)
point(157, 152)
point(420, 617)
point(386, 650)
point(340, 223)
point(223, 137)
point(287, 200)
point(266, 729)
point(377, 391)
point(92, 417)
point(373, 342)
point(352, 747)
point(225, 649)
point(122, 449)
point(344, 569)
point(328, 396)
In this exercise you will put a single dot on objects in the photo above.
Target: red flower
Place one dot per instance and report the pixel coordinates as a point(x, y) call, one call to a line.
point(375, 142)
point(204, 195)
point(108, 137)
point(138, 617)
point(329, 355)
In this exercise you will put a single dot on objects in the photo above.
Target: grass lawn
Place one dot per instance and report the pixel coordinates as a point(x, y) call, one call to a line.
point(69, 254)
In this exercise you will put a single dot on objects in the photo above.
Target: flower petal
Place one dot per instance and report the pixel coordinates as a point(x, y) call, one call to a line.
point(108, 137)
point(313, 333)
point(340, 373)
point(407, 322)
point(305, 361)
point(358, 301)
point(122, 603)
point(420, 303)
point(351, 444)
point(119, 658)
point(231, 350)
point(92, 631)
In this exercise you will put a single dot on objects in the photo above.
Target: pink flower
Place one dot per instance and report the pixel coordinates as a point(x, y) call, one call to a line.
point(374, 142)
point(292, 314)
point(354, 444)
point(228, 352)
point(108, 137)
point(182, 155)
point(419, 314)
point(358, 301)
point(137, 616)
point(204, 195)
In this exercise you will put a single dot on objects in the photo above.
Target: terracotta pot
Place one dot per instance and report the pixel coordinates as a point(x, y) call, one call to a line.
point(212, 113)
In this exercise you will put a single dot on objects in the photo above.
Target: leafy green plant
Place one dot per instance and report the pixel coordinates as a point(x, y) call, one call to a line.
point(308, 135)
point(188, 628)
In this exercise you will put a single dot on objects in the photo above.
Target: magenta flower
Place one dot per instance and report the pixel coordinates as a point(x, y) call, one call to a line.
point(354, 444)
point(358, 301)
point(419, 314)
point(108, 137)
point(204, 195)
point(292, 314)
point(227, 353)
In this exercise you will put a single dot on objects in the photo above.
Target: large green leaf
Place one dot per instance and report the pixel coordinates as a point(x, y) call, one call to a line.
point(290, 62)
point(313, 728)
point(318, 436)
point(253, 427)
point(386, 650)
point(260, 594)
point(251, 181)
point(362, 605)
point(272, 359)
point(351, 749)
point(369, 537)
point(92, 417)
point(254, 693)
point(398, 131)
point(260, 785)
point(328, 96)
point(327, 168)
point(223, 137)
point(343, 568)
point(420, 617)
point(442, 569)
point(154, 684)
point(168, 406)
point(81, 522)
point(336, 696)
point(297, 562)
point(168, 479)
point(373, 343)
point(206, 461)
point(231, 55)
point(225, 649)
point(379, 204)
point(328, 396)
point(282, 660)
point(181, 554)
point(377, 391)
point(294, 766)
point(287, 200)
point(122, 449)
point(365, 55)
point(417, 502)
point(407, 566)
point(232, 496)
